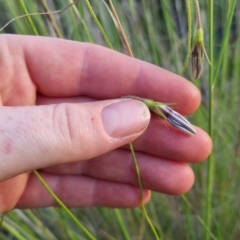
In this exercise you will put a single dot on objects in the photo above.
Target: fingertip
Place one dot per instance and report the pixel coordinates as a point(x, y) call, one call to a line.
point(193, 99)
point(179, 180)
point(146, 196)
point(204, 142)
point(191, 96)
point(176, 89)
point(185, 180)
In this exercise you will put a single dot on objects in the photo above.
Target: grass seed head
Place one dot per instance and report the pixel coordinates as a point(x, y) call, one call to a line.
point(173, 117)
point(197, 59)
point(177, 120)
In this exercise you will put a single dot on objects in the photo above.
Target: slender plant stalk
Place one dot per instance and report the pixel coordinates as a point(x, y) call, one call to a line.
point(122, 224)
point(141, 193)
point(17, 229)
point(212, 79)
point(198, 217)
point(127, 46)
point(198, 15)
point(89, 6)
point(81, 20)
point(63, 206)
point(35, 222)
point(15, 233)
point(28, 18)
point(199, 27)
point(171, 34)
point(1, 221)
point(137, 171)
point(12, 10)
point(28, 15)
point(211, 164)
point(149, 18)
point(206, 225)
point(117, 212)
point(120, 30)
point(198, 48)
point(225, 40)
point(51, 19)
point(189, 42)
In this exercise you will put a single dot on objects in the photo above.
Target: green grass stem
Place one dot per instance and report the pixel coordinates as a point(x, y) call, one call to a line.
point(51, 19)
point(82, 21)
point(61, 204)
point(122, 225)
point(211, 164)
point(141, 194)
point(171, 33)
point(28, 18)
point(199, 218)
point(225, 39)
point(189, 39)
point(127, 46)
point(14, 232)
point(89, 6)
point(33, 28)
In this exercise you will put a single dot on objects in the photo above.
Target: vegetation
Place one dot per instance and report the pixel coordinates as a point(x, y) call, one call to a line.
point(157, 32)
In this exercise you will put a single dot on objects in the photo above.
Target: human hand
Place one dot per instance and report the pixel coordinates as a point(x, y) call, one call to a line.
point(55, 115)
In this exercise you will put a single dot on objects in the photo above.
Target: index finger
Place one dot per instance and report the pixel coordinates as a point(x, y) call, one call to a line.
point(63, 68)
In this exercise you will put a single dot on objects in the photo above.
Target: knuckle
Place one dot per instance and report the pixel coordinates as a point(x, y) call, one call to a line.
point(64, 119)
point(71, 124)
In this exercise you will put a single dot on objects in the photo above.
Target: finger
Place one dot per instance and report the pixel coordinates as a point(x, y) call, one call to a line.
point(165, 141)
point(43, 100)
point(80, 191)
point(157, 174)
point(40, 136)
point(10, 192)
point(66, 68)
point(161, 139)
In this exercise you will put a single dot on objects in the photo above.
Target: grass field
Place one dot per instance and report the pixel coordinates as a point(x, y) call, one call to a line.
point(157, 31)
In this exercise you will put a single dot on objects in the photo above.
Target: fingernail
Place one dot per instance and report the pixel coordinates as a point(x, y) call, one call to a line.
point(125, 118)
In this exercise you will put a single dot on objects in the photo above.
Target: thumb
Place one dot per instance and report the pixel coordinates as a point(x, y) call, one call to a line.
point(40, 136)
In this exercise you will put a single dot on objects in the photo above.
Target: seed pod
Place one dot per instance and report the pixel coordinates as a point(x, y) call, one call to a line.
point(164, 111)
point(197, 59)
point(173, 117)
point(177, 120)
point(198, 50)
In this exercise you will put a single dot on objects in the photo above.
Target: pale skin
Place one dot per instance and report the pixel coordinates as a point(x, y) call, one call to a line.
point(77, 87)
